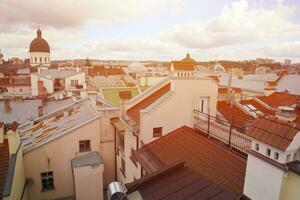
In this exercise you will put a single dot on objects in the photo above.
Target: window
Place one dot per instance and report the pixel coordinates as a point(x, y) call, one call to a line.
point(45, 59)
point(41, 59)
point(157, 132)
point(257, 147)
point(268, 152)
point(276, 156)
point(47, 181)
point(132, 157)
point(35, 59)
point(20, 89)
point(123, 167)
point(288, 158)
point(121, 141)
point(295, 156)
point(84, 145)
point(74, 82)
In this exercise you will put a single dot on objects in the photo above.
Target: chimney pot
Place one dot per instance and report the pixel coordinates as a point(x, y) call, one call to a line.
point(41, 110)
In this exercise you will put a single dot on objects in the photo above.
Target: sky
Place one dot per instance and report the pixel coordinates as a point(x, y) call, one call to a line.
point(153, 29)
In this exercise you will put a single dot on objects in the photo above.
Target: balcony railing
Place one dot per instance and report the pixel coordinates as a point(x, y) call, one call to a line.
point(222, 130)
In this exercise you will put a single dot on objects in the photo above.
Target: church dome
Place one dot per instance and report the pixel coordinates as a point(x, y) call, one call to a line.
point(188, 58)
point(39, 44)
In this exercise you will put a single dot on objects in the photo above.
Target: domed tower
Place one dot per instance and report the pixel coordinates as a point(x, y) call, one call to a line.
point(39, 51)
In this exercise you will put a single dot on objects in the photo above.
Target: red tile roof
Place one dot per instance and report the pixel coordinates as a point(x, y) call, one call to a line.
point(224, 90)
point(258, 106)
point(176, 181)
point(233, 114)
point(4, 159)
point(280, 99)
point(125, 95)
point(272, 83)
point(216, 78)
point(105, 71)
point(183, 65)
point(134, 112)
point(274, 133)
point(218, 164)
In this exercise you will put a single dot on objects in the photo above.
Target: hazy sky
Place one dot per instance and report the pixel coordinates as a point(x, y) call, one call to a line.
point(153, 29)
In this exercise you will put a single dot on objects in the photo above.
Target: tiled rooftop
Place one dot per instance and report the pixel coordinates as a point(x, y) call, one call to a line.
point(183, 65)
point(217, 163)
point(134, 112)
point(274, 133)
point(233, 114)
point(4, 159)
point(56, 124)
point(176, 181)
point(280, 99)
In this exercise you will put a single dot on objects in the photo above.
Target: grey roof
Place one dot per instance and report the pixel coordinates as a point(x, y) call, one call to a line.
point(89, 159)
point(59, 74)
point(27, 110)
point(56, 124)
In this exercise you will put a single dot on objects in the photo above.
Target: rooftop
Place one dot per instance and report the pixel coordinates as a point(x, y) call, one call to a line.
point(57, 74)
point(105, 71)
point(113, 95)
point(176, 181)
point(56, 124)
point(26, 110)
point(183, 65)
point(134, 111)
point(89, 159)
point(217, 163)
point(277, 99)
point(272, 132)
point(233, 114)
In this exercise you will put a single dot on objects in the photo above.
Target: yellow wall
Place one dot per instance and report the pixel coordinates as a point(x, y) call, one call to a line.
point(291, 187)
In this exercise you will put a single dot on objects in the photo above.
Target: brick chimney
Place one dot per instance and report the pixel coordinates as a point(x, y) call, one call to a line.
point(41, 110)
point(6, 105)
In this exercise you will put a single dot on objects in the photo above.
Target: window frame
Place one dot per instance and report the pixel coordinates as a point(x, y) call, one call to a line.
point(48, 177)
point(123, 167)
point(256, 147)
point(268, 152)
point(276, 155)
point(86, 145)
point(157, 132)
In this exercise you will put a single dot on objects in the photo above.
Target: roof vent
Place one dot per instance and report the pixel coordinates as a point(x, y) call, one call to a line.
point(286, 113)
point(116, 191)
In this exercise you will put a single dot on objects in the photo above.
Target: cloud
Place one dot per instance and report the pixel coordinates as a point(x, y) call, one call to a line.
point(236, 24)
point(69, 13)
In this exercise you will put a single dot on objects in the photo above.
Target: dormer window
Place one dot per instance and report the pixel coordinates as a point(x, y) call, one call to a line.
point(268, 152)
point(288, 158)
point(256, 147)
point(276, 156)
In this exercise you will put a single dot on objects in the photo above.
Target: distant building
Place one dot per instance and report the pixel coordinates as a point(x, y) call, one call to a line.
point(1, 58)
point(287, 62)
point(39, 51)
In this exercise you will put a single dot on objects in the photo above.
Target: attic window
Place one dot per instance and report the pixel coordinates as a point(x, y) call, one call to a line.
point(288, 158)
point(268, 152)
point(157, 132)
point(276, 156)
point(257, 147)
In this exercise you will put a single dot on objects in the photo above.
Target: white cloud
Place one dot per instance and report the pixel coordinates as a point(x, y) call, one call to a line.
point(236, 24)
point(70, 13)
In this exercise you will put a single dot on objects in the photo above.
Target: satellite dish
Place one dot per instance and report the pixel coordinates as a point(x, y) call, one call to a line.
point(60, 96)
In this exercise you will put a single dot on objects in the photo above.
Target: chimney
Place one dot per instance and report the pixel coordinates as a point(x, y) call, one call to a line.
point(229, 87)
point(41, 110)
point(6, 105)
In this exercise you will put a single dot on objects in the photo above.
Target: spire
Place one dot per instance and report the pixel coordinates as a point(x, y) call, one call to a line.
point(39, 32)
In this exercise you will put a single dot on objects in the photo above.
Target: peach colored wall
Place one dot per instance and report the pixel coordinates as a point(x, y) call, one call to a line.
point(107, 152)
point(56, 156)
point(89, 182)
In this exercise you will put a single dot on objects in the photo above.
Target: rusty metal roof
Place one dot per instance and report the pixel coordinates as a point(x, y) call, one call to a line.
point(205, 157)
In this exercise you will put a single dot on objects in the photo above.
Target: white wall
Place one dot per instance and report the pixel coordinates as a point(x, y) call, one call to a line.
point(263, 181)
point(89, 182)
point(48, 84)
point(39, 55)
point(177, 110)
